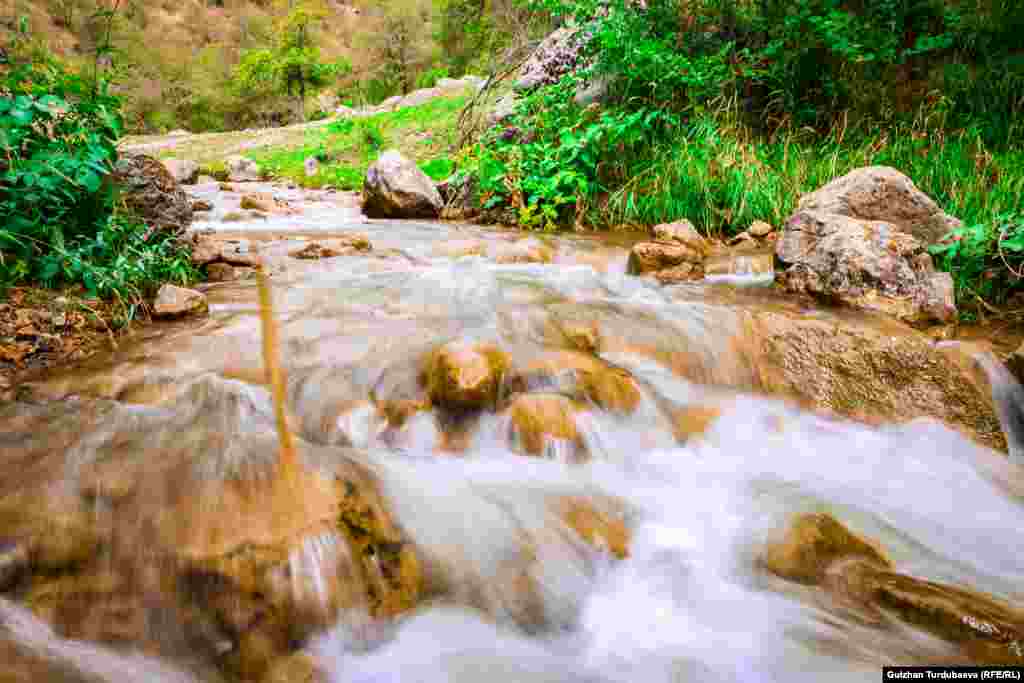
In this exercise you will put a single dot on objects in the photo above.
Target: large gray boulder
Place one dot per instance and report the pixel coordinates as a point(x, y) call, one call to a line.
point(558, 54)
point(150, 192)
point(395, 187)
point(867, 264)
point(880, 193)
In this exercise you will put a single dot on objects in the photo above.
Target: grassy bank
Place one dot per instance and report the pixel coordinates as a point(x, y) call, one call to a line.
point(722, 178)
point(614, 166)
point(346, 147)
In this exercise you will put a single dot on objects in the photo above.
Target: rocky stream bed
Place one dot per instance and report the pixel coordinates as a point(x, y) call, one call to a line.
point(514, 461)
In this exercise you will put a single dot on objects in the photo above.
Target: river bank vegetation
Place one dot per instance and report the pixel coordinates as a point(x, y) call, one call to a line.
point(722, 112)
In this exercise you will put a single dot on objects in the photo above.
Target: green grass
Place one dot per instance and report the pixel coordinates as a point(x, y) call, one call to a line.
point(722, 179)
point(346, 147)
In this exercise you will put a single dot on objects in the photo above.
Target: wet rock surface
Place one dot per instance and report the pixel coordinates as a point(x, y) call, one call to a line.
point(677, 255)
point(493, 434)
point(820, 551)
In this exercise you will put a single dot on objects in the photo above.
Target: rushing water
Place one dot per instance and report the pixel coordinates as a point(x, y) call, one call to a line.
point(185, 408)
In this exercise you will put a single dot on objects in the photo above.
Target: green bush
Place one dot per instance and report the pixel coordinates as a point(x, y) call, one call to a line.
point(58, 134)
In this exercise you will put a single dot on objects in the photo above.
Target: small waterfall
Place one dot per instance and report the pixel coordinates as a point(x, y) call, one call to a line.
point(595, 536)
point(1008, 395)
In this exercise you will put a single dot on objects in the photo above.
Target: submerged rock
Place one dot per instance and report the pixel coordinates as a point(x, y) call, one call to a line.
point(342, 246)
point(172, 301)
point(396, 188)
point(461, 375)
point(212, 548)
point(813, 544)
point(818, 550)
point(538, 420)
point(459, 248)
point(582, 377)
point(529, 250)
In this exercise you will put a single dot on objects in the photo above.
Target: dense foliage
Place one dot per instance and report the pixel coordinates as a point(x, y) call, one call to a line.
point(58, 133)
point(725, 112)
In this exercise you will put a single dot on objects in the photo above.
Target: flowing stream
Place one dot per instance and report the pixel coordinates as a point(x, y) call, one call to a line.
point(119, 474)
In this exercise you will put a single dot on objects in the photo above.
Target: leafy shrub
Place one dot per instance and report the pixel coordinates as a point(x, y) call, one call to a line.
point(429, 78)
point(58, 134)
point(438, 169)
point(980, 256)
point(370, 136)
point(555, 157)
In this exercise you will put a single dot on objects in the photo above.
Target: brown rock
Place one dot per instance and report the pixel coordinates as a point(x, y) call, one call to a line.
point(684, 272)
point(684, 261)
point(819, 550)
point(220, 272)
point(582, 377)
point(1015, 363)
point(205, 251)
point(296, 668)
point(152, 194)
point(813, 544)
point(864, 368)
point(529, 250)
point(344, 246)
point(988, 630)
point(880, 193)
point(459, 248)
point(14, 563)
point(537, 419)
point(599, 523)
point(224, 553)
point(173, 301)
point(681, 232)
point(254, 203)
point(240, 253)
point(691, 421)
point(202, 205)
point(463, 375)
point(315, 250)
point(760, 229)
